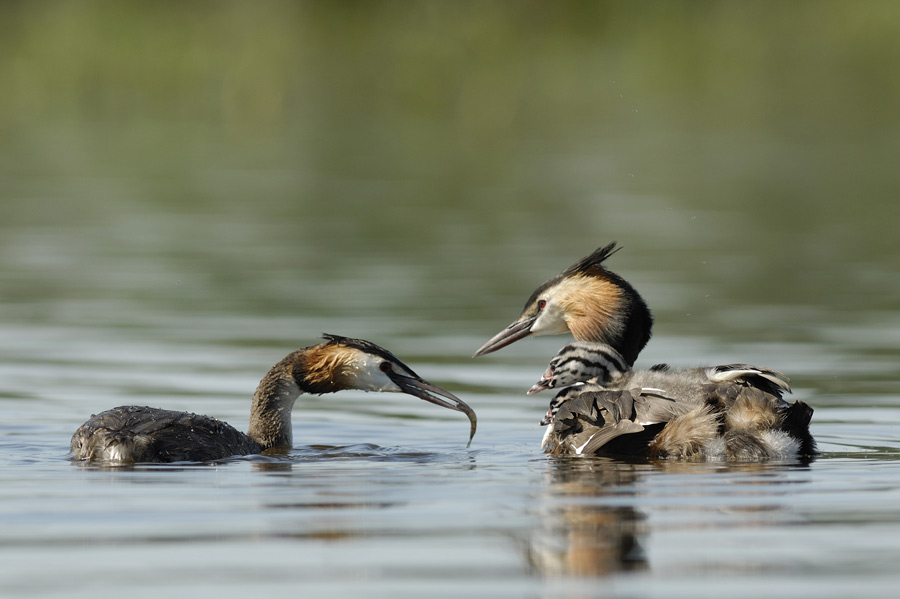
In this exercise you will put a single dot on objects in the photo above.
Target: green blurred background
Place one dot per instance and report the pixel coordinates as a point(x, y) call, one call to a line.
point(437, 160)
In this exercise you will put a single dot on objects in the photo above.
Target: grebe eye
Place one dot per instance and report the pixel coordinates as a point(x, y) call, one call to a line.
point(541, 304)
point(385, 367)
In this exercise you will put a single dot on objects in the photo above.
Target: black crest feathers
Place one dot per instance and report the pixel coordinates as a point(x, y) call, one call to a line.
point(590, 263)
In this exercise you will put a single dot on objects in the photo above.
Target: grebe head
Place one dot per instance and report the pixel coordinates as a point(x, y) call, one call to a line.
point(588, 301)
point(582, 362)
point(344, 363)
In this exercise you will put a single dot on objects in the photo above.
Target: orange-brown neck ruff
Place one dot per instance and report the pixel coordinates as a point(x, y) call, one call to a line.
point(324, 368)
point(593, 308)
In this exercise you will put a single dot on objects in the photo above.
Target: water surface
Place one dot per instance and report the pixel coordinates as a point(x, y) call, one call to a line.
point(188, 193)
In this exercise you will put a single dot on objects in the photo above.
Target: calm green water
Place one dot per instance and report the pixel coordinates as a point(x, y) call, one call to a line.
point(189, 192)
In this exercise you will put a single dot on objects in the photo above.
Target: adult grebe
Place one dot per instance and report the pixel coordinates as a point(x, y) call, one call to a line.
point(729, 412)
point(133, 434)
point(600, 307)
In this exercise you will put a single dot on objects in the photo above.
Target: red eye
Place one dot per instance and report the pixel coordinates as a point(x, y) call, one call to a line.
point(541, 304)
point(385, 367)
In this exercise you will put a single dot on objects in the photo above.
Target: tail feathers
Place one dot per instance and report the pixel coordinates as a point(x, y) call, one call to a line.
point(795, 422)
point(765, 379)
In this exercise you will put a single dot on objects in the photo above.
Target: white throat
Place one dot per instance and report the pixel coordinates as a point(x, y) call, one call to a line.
point(551, 321)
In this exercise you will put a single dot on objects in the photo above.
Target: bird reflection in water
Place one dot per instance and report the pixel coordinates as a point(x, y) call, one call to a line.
point(592, 524)
point(578, 535)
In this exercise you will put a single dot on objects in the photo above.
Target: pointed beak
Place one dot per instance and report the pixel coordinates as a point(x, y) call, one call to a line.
point(548, 417)
point(545, 383)
point(517, 330)
point(433, 394)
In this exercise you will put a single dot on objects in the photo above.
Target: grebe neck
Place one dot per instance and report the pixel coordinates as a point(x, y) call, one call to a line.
point(270, 413)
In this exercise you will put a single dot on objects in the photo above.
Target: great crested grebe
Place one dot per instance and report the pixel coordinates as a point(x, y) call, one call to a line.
point(133, 434)
point(658, 411)
point(728, 412)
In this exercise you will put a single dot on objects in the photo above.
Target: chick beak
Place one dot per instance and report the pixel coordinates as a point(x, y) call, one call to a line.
point(433, 394)
point(545, 383)
point(517, 330)
point(548, 417)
